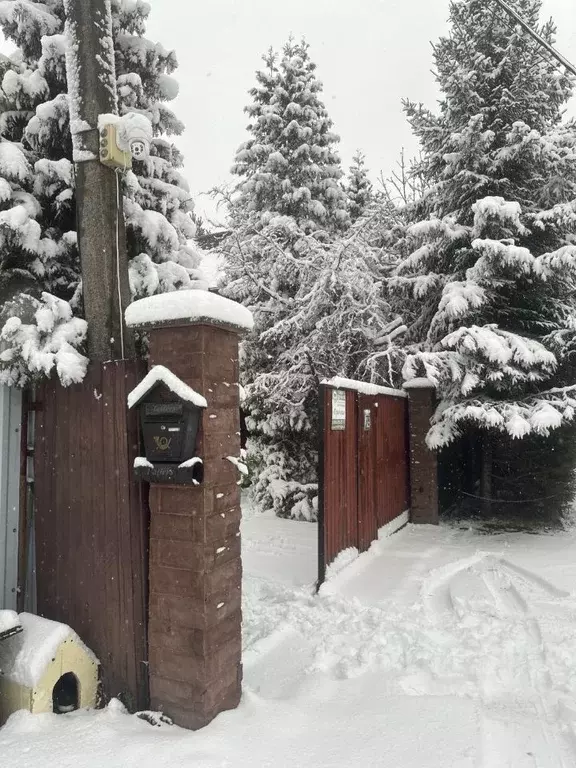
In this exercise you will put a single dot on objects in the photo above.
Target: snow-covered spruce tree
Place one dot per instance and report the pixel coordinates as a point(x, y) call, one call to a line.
point(359, 187)
point(290, 166)
point(287, 206)
point(38, 250)
point(319, 311)
point(489, 267)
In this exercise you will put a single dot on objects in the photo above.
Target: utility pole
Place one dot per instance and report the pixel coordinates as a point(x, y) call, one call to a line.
point(91, 75)
point(539, 39)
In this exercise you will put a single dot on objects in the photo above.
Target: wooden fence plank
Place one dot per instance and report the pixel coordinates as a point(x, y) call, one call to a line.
point(367, 471)
point(339, 458)
point(92, 526)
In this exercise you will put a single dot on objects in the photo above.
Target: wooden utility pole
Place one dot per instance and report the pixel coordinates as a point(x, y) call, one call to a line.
point(91, 77)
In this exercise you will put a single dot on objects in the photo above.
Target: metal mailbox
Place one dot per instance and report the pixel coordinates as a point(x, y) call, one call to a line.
point(170, 431)
point(170, 419)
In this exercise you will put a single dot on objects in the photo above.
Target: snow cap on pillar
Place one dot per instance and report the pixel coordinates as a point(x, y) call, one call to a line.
point(189, 307)
point(422, 383)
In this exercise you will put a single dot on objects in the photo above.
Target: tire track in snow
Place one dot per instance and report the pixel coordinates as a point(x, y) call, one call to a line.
point(492, 585)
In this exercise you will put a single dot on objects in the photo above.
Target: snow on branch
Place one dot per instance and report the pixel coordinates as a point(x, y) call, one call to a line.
point(539, 415)
point(497, 213)
point(502, 347)
point(478, 357)
point(365, 388)
point(39, 337)
point(458, 298)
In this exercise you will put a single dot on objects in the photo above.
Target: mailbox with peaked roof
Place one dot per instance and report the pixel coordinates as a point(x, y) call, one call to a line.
point(170, 417)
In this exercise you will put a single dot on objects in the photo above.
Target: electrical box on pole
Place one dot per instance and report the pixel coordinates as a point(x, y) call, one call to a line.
point(110, 153)
point(124, 138)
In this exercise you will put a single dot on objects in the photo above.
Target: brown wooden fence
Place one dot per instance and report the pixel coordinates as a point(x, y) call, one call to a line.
point(364, 467)
point(92, 522)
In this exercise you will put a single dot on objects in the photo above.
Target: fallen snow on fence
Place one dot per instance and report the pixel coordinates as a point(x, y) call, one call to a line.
point(363, 387)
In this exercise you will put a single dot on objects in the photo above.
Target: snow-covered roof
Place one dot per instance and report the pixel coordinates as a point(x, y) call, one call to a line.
point(8, 621)
point(190, 306)
point(25, 657)
point(159, 374)
point(338, 382)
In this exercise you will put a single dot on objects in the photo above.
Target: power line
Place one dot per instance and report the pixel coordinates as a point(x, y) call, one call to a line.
point(539, 39)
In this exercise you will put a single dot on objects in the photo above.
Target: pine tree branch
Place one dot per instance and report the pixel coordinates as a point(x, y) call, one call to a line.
point(351, 239)
point(312, 368)
point(257, 282)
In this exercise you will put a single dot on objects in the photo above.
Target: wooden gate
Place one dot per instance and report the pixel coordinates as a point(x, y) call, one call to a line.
point(92, 522)
point(364, 466)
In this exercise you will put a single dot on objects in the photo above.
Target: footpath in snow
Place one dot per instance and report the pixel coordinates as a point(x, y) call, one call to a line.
point(440, 648)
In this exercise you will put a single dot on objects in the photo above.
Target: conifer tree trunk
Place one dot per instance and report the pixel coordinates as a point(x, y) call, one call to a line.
point(486, 473)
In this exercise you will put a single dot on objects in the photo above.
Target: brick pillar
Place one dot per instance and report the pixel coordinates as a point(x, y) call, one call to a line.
point(195, 616)
point(423, 461)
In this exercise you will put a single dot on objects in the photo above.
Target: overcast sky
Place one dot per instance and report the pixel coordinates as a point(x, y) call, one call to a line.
point(370, 54)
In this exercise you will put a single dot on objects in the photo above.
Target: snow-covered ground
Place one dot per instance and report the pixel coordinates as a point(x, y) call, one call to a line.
point(440, 648)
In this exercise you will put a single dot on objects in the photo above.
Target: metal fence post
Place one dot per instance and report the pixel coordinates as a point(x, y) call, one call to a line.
point(10, 441)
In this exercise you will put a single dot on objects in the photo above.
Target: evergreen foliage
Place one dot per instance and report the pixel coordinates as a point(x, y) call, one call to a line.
point(38, 246)
point(319, 311)
point(290, 166)
point(359, 187)
point(281, 261)
point(488, 273)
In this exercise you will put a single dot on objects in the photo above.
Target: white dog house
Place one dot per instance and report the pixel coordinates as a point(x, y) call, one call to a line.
point(46, 668)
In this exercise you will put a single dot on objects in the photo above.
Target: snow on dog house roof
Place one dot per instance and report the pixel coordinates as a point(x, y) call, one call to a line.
point(25, 657)
point(159, 374)
point(190, 306)
point(9, 624)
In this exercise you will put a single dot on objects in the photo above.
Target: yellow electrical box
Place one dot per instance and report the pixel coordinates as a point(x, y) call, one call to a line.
point(110, 154)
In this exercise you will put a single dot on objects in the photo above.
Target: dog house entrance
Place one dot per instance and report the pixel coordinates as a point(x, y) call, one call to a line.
point(65, 696)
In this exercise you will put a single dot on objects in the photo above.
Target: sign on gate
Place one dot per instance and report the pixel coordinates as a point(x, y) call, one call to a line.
point(338, 410)
point(364, 465)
